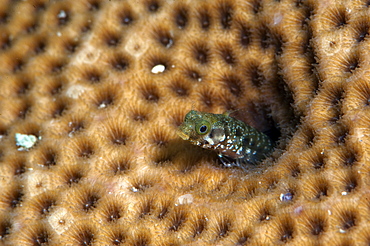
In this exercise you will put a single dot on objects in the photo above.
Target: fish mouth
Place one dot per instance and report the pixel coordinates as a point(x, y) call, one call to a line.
point(183, 135)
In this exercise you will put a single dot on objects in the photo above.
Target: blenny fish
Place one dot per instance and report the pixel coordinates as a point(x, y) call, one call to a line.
point(236, 142)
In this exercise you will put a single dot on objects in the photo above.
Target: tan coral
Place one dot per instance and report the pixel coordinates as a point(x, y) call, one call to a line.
point(108, 167)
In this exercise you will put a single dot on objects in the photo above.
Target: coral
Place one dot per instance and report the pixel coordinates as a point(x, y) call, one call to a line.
point(107, 168)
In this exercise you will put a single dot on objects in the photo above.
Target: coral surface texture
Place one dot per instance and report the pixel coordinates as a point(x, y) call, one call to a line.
point(92, 93)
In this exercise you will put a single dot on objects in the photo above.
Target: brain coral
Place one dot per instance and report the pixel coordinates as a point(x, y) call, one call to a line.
point(101, 87)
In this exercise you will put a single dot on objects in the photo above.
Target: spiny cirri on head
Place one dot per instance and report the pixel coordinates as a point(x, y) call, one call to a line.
point(236, 142)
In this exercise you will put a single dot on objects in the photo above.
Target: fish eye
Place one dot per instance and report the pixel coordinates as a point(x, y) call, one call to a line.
point(203, 129)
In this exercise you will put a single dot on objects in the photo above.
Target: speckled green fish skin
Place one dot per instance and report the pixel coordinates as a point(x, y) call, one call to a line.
point(231, 138)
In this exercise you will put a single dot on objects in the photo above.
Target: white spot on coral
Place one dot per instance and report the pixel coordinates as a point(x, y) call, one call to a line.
point(25, 141)
point(277, 18)
point(137, 44)
point(62, 14)
point(60, 220)
point(75, 91)
point(185, 199)
point(159, 68)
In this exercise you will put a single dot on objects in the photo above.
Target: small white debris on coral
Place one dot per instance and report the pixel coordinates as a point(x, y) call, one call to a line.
point(159, 68)
point(25, 141)
point(185, 199)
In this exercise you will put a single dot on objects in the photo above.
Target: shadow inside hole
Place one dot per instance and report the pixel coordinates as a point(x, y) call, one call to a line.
point(257, 117)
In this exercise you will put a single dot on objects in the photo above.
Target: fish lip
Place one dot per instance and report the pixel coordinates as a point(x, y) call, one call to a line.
point(183, 135)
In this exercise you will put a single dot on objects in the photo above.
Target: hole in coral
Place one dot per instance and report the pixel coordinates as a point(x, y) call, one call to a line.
point(141, 185)
point(194, 75)
point(256, 6)
point(83, 235)
point(350, 182)
point(163, 158)
point(204, 19)
point(348, 219)
point(198, 226)
point(153, 6)
point(255, 74)
point(19, 167)
point(150, 92)
point(341, 136)
point(40, 237)
point(201, 53)
point(352, 63)
point(310, 137)
point(18, 65)
point(243, 238)
point(337, 17)
point(207, 98)
point(5, 41)
point(223, 227)
point(117, 134)
point(86, 27)
point(265, 36)
point(57, 67)
point(112, 39)
point(24, 110)
point(75, 125)
point(164, 37)
point(40, 47)
point(177, 220)
point(60, 107)
point(15, 197)
point(31, 28)
point(180, 88)
point(118, 238)
point(93, 5)
point(56, 88)
point(113, 214)
point(181, 17)
point(120, 167)
point(321, 190)
point(5, 228)
point(24, 87)
point(294, 169)
point(318, 162)
point(245, 35)
point(234, 84)
point(48, 157)
point(226, 15)
point(127, 17)
point(72, 176)
point(160, 137)
point(84, 148)
point(141, 240)
point(227, 55)
point(93, 76)
point(145, 207)
point(63, 17)
point(163, 210)
point(89, 201)
point(105, 97)
point(71, 46)
point(361, 30)
point(4, 18)
point(286, 230)
point(46, 205)
point(265, 214)
point(120, 62)
point(317, 226)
